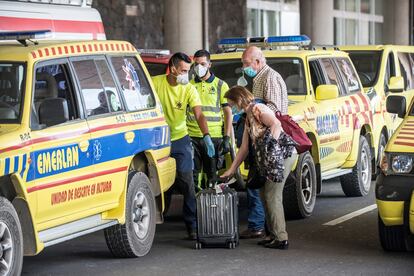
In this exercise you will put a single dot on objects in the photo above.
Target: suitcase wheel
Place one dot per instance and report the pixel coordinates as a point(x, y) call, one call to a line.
point(231, 245)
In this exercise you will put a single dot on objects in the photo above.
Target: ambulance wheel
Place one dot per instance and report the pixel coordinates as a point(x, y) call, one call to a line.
point(299, 194)
point(11, 240)
point(381, 148)
point(358, 182)
point(392, 238)
point(135, 237)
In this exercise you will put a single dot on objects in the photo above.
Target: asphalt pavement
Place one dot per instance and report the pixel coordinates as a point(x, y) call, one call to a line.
point(349, 248)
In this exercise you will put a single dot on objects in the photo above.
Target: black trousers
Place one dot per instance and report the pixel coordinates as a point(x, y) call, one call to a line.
point(203, 163)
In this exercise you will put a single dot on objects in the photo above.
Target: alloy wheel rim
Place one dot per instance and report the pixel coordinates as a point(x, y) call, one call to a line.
point(6, 249)
point(140, 215)
point(365, 169)
point(306, 185)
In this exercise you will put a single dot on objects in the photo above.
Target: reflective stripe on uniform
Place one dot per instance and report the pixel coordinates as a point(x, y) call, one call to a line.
point(208, 118)
point(216, 109)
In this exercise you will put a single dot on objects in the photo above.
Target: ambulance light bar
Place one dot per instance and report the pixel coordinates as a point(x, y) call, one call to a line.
point(291, 40)
point(264, 42)
point(233, 42)
point(154, 52)
point(25, 35)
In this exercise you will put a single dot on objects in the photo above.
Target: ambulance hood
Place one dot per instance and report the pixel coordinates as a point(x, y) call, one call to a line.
point(403, 138)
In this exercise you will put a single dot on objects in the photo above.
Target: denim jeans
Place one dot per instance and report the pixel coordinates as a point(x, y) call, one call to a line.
point(181, 150)
point(256, 213)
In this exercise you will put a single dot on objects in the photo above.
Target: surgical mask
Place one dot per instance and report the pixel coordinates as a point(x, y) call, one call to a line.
point(200, 70)
point(250, 71)
point(182, 79)
point(235, 110)
point(242, 81)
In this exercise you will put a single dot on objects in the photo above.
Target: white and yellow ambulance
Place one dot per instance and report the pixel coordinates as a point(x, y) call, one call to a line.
point(327, 98)
point(84, 146)
point(395, 185)
point(384, 70)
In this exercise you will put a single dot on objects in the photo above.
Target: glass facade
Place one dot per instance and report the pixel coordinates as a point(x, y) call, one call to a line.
point(270, 18)
point(358, 21)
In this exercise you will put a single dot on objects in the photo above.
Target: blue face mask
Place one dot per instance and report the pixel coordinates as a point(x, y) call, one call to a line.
point(234, 110)
point(250, 71)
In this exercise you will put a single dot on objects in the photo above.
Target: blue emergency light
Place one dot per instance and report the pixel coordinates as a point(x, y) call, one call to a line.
point(233, 42)
point(265, 42)
point(20, 35)
point(294, 40)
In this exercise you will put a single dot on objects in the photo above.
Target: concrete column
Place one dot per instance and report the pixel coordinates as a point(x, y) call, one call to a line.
point(396, 25)
point(316, 20)
point(183, 30)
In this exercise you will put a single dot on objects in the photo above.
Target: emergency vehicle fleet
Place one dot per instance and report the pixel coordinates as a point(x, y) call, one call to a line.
point(327, 99)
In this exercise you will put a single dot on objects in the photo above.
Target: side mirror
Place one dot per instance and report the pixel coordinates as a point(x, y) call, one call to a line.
point(396, 84)
point(326, 92)
point(53, 111)
point(396, 105)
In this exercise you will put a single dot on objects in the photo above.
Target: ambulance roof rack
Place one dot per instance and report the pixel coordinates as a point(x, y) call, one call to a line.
point(154, 52)
point(271, 42)
point(24, 36)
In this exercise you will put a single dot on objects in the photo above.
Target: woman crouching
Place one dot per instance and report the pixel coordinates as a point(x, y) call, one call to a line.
point(275, 155)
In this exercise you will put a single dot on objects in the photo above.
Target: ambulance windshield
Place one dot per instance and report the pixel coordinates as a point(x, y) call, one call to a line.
point(367, 64)
point(11, 90)
point(291, 70)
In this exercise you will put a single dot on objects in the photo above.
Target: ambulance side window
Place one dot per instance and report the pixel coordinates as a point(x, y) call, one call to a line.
point(389, 71)
point(97, 87)
point(54, 99)
point(134, 84)
point(316, 72)
point(349, 75)
point(332, 74)
point(406, 68)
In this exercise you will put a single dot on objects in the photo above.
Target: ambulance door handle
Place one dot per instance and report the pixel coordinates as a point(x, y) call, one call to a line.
point(130, 136)
point(83, 145)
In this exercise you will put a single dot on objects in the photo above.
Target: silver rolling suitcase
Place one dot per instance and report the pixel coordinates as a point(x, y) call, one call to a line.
point(217, 218)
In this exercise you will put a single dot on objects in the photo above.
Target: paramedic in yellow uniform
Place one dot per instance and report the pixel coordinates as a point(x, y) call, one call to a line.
point(217, 112)
point(176, 93)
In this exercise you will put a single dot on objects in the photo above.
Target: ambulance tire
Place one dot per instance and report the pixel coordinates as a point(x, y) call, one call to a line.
point(135, 237)
point(299, 194)
point(11, 240)
point(392, 238)
point(358, 182)
point(381, 148)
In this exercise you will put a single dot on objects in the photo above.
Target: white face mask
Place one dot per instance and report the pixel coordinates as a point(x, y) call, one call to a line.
point(182, 79)
point(242, 81)
point(200, 70)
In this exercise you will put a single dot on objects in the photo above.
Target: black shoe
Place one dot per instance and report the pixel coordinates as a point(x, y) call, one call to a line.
point(275, 244)
point(264, 242)
point(252, 234)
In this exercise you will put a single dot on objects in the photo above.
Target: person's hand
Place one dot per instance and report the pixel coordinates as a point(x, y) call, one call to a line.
point(225, 145)
point(227, 174)
point(209, 145)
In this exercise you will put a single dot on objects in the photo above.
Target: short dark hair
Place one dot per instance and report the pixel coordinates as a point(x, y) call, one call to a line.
point(176, 58)
point(202, 53)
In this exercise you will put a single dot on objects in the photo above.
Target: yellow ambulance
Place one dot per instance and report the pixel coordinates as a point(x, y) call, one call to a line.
point(384, 69)
point(84, 146)
point(395, 185)
point(328, 100)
